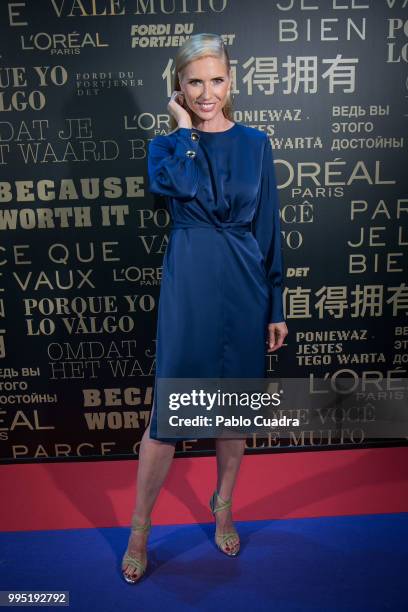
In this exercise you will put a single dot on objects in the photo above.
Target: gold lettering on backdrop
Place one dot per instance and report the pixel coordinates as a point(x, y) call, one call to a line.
point(32, 422)
point(117, 420)
point(68, 189)
point(117, 8)
point(63, 44)
point(387, 235)
point(71, 360)
point(16, 80)
point(88, 8)
point(62, 449)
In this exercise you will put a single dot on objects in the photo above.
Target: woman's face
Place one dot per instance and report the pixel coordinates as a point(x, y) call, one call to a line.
point(205, 83)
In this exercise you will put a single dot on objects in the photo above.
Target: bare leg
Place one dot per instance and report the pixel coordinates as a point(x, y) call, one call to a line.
point(155, 458)
point(229, 454)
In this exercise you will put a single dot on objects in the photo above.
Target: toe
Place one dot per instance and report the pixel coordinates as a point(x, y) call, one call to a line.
point(235, 546)
point(131, 573)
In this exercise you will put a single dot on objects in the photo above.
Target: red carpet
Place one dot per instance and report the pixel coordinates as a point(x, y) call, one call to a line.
point(285, 485)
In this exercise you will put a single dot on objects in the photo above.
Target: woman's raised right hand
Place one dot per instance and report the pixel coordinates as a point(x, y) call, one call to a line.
point(179, 113)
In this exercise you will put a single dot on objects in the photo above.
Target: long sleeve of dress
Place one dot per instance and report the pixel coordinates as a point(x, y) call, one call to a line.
point(172, 170)
point(266, 229)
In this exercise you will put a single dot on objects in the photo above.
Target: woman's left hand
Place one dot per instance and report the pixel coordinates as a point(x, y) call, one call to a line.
point(277, 333)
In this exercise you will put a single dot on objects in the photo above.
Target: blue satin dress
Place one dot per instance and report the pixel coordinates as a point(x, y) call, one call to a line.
point(222, 270)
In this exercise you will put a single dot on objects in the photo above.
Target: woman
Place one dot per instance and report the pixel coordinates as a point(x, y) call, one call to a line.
point(221, 293)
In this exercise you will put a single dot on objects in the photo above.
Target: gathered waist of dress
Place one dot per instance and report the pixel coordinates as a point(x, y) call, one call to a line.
point(217, 225)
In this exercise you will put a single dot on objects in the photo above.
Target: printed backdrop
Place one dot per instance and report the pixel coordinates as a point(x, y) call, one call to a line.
point(84, 86)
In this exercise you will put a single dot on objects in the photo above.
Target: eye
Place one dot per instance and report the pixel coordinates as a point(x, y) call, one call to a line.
point(218, 79)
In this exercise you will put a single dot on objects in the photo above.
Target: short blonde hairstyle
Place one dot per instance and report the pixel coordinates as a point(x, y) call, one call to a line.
point(196, 47)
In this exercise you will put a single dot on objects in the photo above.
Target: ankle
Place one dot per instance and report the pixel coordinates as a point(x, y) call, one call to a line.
point(140, 520)
point(140, 517)
point(223, 496)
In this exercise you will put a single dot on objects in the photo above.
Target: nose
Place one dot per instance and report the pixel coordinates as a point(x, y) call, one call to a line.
point(207, 92)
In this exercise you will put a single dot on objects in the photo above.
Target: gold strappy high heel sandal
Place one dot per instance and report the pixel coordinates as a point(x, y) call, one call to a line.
point(128, 560)
point(227, 539)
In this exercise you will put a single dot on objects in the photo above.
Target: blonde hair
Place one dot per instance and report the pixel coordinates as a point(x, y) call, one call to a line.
point(196, 47)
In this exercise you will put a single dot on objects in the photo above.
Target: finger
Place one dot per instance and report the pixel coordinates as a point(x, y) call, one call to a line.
point(279, 342)
point(271, 340)
point(275, 340)
point(275, 346)
point(177, 94)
